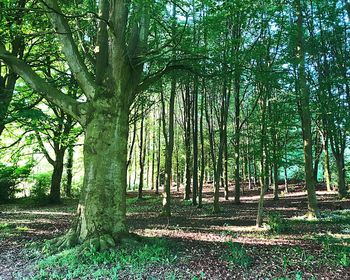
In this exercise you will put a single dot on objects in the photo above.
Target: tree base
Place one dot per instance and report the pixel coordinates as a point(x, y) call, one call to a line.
point(98, 243)
point(312, 215)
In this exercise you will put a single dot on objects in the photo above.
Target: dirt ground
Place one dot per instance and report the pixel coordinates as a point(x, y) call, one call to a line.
point(200, 236)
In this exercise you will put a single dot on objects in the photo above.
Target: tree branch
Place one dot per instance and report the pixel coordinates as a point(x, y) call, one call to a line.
point(70, 49)
point(43, 149)
point(66, 103)
point(153, 78)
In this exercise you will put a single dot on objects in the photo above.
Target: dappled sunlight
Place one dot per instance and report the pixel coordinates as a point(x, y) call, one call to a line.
point(37, 213)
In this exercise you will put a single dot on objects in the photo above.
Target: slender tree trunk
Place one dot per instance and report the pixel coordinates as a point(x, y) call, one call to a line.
point(313, 210)
point(338, 142)
point(342, 190)
point(327, 173)
point(318, 152)
point(141, 155)
point(285, 180)
point(153, 151)
point(201, 132)
point(275, 161)
point(188, 143)
point(216, 180)
point(237, 144)
point(255, 171)
point(250, 187)
point(264, 165)
point(69, 169)
point(169, 140)
point(195, 142)
point(158, 155)
point(56, 178)
point(275, 176)
point(226, 194)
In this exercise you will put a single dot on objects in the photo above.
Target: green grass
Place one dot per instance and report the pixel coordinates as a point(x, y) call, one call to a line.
point(236, 255)
point(133, 258)
point(146, 204)
point(277, 224)
point(7, 230)
point(4, 226)
point(336, 249)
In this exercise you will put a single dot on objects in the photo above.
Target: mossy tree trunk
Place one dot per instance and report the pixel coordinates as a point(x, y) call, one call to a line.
point(101, 211)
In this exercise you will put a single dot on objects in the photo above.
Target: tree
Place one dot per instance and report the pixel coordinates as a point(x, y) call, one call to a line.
point(121, 43)
point(304, 99)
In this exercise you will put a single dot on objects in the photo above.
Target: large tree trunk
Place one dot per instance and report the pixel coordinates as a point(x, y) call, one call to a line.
point(102, 210)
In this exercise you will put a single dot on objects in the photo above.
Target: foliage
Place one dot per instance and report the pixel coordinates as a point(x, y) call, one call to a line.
point(41, 186)
point(276, 223)
point(146, 204)
point(237, 255)
point(133, 258)
point(10, 177)
point(337, 249)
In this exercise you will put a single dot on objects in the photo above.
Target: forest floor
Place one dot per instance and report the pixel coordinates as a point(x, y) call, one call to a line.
point(192, 244)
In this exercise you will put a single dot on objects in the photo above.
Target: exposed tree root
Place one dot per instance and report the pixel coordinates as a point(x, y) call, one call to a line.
point(97, 243)
point(67, 241)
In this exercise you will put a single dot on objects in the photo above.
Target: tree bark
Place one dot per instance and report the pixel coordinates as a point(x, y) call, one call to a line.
point(327, 173)
point(304, 98)
point(169, 143)
point(201, 132)
point(285, 180)
point(56, 178)
point(102, 207)
point(141, 155)
point(318, 152)
point(342, 190)
point(187, 143)
point(195, 142)
point(264, 163)
point(69, 170)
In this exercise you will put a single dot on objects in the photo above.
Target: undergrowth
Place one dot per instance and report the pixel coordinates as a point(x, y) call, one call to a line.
point(236, 255)
point(90, 264)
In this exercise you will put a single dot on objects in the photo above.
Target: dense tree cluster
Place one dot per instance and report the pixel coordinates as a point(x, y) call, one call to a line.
point(173, 95)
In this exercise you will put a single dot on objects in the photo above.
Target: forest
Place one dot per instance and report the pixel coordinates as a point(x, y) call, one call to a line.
point(181, 139)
